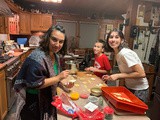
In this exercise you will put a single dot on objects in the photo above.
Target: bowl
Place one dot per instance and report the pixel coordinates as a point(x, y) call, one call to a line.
point(69, 84)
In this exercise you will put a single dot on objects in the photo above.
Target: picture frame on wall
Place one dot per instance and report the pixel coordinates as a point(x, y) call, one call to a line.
point(108, 28)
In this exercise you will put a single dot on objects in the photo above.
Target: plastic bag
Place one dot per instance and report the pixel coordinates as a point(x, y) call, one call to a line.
point(87, 115)
point(68, 107)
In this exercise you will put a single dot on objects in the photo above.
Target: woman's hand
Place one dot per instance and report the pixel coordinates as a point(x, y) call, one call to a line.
point(64, 74)
point(55, 79)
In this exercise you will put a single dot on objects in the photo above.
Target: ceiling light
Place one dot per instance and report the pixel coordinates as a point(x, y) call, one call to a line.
point(55, 1)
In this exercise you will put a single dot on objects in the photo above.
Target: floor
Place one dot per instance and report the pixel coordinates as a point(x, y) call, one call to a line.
point(11, 113)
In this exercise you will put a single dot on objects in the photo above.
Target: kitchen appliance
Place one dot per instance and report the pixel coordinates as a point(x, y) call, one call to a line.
point(5, 58)
point(12, 69)
point(155, 110)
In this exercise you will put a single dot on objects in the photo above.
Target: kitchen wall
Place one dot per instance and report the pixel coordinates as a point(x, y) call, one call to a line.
point(148, 23)
point(143, 45)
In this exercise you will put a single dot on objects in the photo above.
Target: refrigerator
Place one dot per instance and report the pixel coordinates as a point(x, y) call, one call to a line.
point(155, 110)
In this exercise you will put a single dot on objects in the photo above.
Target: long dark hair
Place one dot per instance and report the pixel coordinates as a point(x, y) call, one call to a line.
point(44, 44)
point(121, 35)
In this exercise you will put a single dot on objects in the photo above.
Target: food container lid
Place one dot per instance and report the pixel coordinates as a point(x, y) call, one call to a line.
point(96, 90)
point(108, 110)
point(69, 62)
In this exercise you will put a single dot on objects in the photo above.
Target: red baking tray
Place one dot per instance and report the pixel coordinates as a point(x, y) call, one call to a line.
point(134, 104)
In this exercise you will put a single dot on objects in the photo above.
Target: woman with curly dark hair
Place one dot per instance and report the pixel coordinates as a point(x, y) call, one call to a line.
point(39, 77)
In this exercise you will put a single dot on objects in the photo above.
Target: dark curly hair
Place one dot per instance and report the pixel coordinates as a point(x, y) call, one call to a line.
point(44, 44)
point(121, 35)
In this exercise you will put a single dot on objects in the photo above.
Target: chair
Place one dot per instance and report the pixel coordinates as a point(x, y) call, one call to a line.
point(80, 52)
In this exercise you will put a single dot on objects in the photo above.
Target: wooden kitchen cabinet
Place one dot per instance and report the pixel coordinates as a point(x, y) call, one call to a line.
point(3, 95)
point(28, 52)
point(40, 22)
point(25, 55)
point(24, 23)
point(2, 25)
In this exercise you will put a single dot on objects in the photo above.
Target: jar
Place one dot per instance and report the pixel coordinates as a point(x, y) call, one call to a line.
point(73, 70)
point(108, 113)
point(93, 99)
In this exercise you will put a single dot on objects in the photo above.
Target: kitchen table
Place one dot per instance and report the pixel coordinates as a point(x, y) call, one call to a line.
point(84, 82)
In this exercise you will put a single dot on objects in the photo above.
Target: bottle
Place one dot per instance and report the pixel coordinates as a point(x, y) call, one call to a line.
point(3, 46)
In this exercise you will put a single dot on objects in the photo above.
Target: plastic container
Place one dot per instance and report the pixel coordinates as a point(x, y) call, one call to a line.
point(96, 91)
point(22, 41)
point(93, 100)
point(100, 104)
point(108, 113)
point(135, 105)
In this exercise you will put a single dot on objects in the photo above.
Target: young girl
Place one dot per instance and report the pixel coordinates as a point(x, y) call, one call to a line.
point(101, 63)
point(129, 65)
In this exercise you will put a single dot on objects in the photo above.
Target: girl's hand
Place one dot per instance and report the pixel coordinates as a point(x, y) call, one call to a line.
point(110, 77)
point(105, 77)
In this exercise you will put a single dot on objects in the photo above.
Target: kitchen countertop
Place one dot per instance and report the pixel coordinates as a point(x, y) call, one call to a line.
point(83, 84)
point(15, 54)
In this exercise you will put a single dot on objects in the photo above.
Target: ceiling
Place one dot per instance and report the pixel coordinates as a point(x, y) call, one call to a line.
point(86, 8)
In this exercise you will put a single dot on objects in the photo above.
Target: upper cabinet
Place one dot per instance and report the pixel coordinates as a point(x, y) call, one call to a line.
point(40, 22)
point(24, 23)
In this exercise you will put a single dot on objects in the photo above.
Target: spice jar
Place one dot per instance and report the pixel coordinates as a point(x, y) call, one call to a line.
point(108, 113)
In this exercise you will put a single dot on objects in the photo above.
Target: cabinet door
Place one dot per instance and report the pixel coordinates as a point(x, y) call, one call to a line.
point(3, 94)
point(2, 25)
point(24, 23)
point(36, 22)
point(40, 22)
point(46, 21)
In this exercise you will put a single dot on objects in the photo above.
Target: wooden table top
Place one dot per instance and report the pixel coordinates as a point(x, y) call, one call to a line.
point(84, 82)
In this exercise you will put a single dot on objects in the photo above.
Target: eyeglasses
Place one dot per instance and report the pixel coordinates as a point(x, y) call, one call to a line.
point(54, 39)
